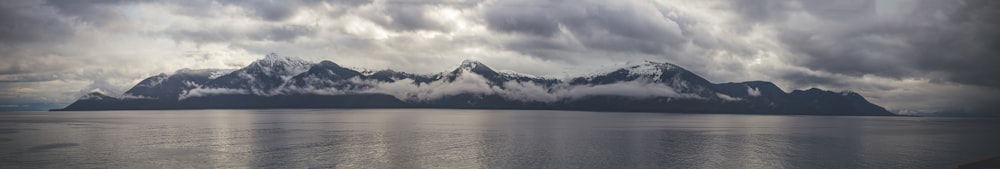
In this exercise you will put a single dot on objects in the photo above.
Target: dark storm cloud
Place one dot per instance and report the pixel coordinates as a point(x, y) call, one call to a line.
point(102, 12)
point(857, 52)
point(285, 33)
point(533, 22)
point(27, 23)
point(412, 15)
point(408, 17)
point(99, 12)
point(806, 79)
point(352, 3)
point(762, 10)
point(267, 9)
point(958, 40)
point(626, 27)
point(843, 10)
point(967, 46)
point(547, 48)
point(28, 78)
point(106, 11)
point(780, 10)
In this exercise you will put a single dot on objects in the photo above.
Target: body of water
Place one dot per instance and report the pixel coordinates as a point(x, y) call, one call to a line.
point(436, 138)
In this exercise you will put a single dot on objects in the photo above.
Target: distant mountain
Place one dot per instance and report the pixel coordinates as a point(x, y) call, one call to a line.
point(288, 82)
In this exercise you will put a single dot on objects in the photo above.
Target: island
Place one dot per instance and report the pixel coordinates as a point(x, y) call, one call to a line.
point(289, 82)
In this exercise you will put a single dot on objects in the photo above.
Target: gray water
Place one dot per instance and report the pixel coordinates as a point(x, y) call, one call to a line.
point(434, 138)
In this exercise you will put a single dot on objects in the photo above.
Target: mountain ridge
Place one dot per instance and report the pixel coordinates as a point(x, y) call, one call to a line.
point(288, 82)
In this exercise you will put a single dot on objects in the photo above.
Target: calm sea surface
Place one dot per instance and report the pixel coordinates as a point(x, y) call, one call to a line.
point(435, 138)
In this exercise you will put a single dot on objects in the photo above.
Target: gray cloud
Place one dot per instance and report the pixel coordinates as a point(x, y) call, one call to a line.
point(533, 22)
point(269, 10)
point(28, 78)
point(762, 11)
point(621, 27)
point(897, 39)
point(286, 33)
point(806, 79)
point(846, 10)
point(413, 15)
point(100, 12)
point(24, 23)
point(855, 53)
point(967, 47)
point(408, 17)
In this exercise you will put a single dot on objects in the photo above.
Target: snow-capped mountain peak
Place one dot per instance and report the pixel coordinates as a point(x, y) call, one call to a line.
point(476, 67)
point(277, 60)
point(282, 66)
point(276, 57)
point(473, 65)
point(263, 76)
point(650, 68)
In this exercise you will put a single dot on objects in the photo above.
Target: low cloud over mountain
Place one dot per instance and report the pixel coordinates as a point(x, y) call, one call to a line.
point(289, 82)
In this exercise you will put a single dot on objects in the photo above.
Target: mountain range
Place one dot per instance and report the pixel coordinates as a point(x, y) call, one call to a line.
point(289, 82)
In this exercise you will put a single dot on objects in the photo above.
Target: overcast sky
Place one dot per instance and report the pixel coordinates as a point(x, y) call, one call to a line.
point(908, 55)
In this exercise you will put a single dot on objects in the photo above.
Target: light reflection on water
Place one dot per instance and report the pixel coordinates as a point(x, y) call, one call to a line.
point(433, 138)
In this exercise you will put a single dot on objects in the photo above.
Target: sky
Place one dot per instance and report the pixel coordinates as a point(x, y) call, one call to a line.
point(908, 56)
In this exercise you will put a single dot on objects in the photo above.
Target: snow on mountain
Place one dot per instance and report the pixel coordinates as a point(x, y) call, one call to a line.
point(264, 76)
point(219, 73)
point(153, 81)
point(650, 69)
point(170, 86)
point(283, 75)
point(518, 74)
point(473, 67)
point(279, 66)
point(282, 81)
point(678, 79)
point(469, 64)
